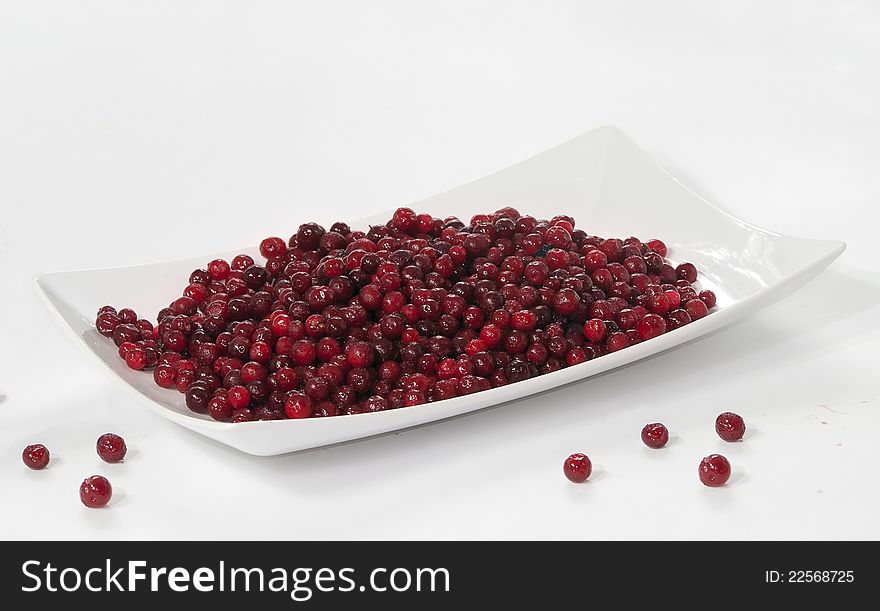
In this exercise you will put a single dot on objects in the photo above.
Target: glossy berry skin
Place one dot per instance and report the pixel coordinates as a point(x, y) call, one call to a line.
point(111, 448)
point(708, 297)
point(714, 470)
point(298, 406)
point(95, 491)
point(696, 308)
point(650, 326)
point(595, 329)
point(657, 246)
point(655, 435)
point(239, 397)
point(136, 358)
point(577, 468)
point(35, 456)
point(730, 426)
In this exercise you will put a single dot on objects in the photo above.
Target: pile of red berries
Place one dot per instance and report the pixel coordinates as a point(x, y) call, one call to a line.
point(417, 310)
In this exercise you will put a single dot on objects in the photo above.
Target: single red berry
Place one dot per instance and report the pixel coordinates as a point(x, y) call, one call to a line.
point(730, 426)
point(650, 326)
point(524, 320)
point(658, 303)
point(165, 376)
point(136, 358)
point(491, 335)
point(272, 247)
point(708, 297)
point(218, 269)
point(298, 405)
point(239, 397)
point(617, 341)
point(595, 329)
point(219, 408)
point(95, 491)
point(655, 435)
point(242, 262)
point(35, 456)
point(111, 447)
point(687, 271)
point(696, 308)
point(241, 415)
point(657, 246)
point(714, 470)
point(359, 354)
point(577, 467)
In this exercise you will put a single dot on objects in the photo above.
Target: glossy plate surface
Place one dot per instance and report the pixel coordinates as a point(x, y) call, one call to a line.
point(602, 178)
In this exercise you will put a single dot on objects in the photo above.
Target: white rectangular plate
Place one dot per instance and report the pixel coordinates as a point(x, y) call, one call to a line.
point(602, 178)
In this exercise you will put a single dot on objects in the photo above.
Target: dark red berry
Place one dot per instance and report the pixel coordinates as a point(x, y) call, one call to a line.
point(686, 271)
point(273, 247)
point(650, 326)
point(218, 269)
point(708, 297)
point(714, 470)
point(298, 406)
point(111, 447)
point(136, 358)
point(657, 246)
point(594, 330)
point(655, 435)
point(219, 408)
point(730, 426)
point(696, 308)
point(35, 456)
point(95, 491)
point(577, 467)
point(239, 397)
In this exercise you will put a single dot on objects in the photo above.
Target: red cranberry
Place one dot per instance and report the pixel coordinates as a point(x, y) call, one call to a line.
point(655, 435)
point(218, 269)
point(686, 271)
point(577, 467)
point(298, 406)
point(197, 396)
point(35, 456)
point(164, 376)
point(650, 326)
point(317, 388)
point(657, 246)
point(359, 354)
point(730, 426)
point(272, 247)
point(111, 448)
point(239, 397)
point(677, 318)
point(95, 491)
point(714, 470)
point(708, 297)
point(696, 308)
point(136, 358)
point(219, 408)
point(617, 341)
point(658, 303)
point(242, 415)
point(594, 330)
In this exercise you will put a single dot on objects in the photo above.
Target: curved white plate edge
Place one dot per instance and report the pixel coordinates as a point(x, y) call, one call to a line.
point(715, 321)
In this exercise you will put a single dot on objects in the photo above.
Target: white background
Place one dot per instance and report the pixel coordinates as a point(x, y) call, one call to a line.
point(134, 132)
